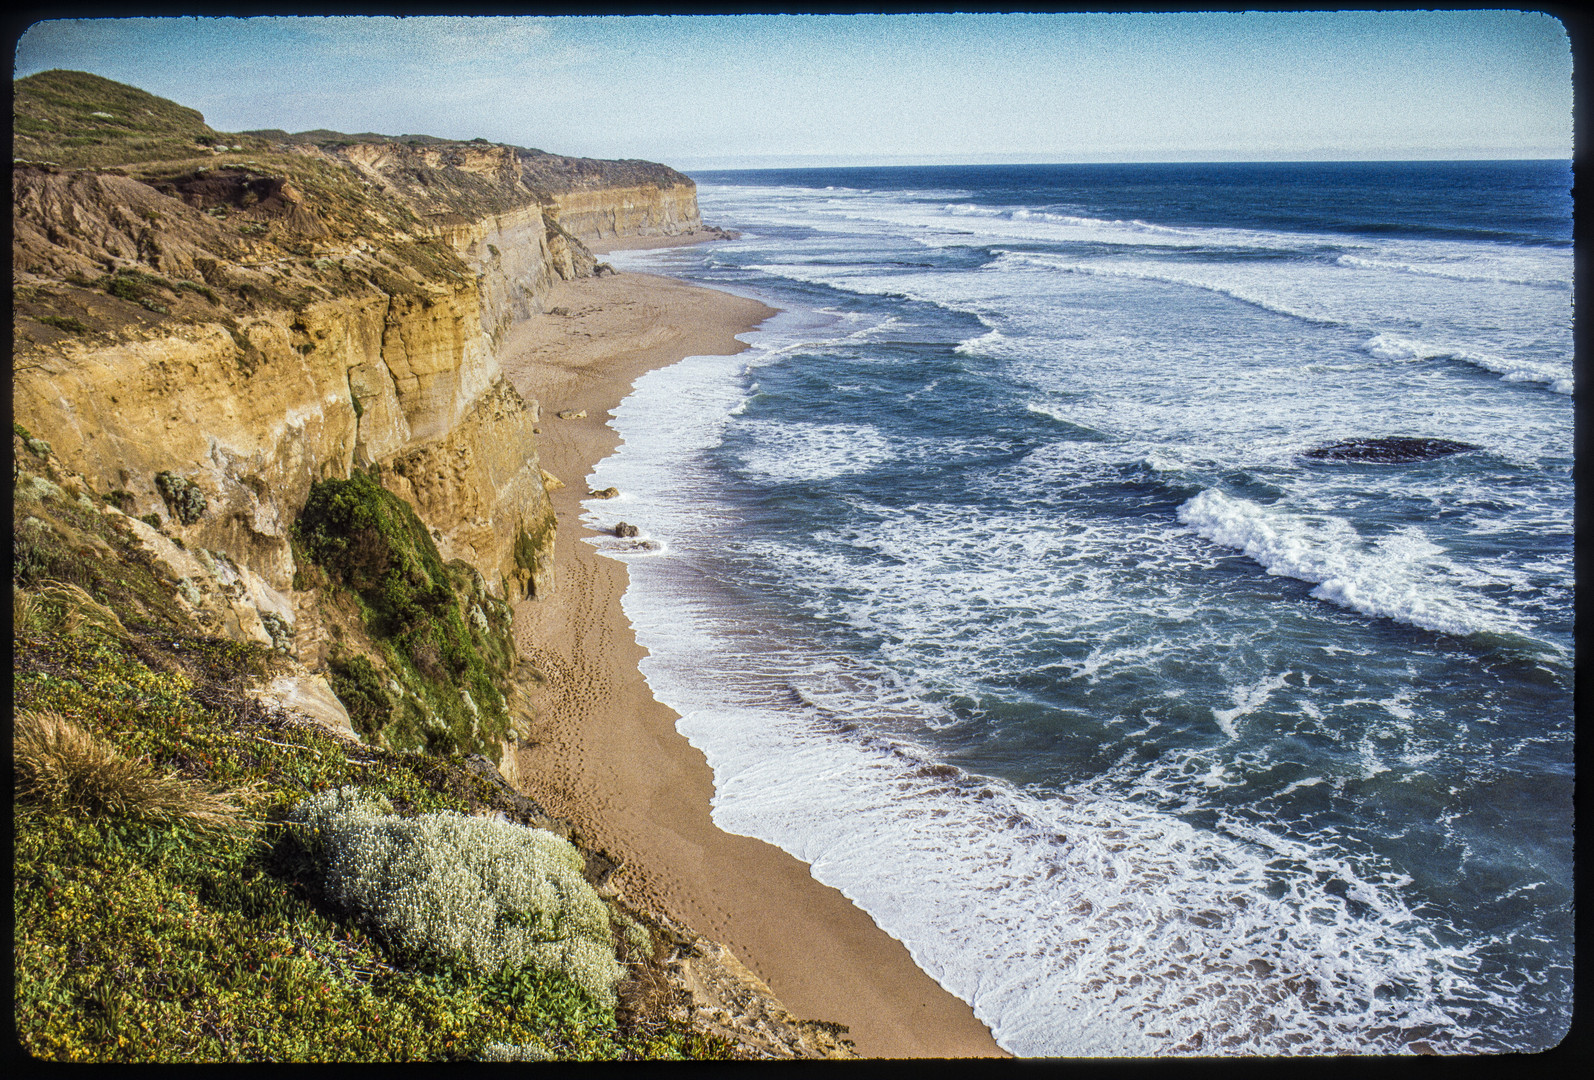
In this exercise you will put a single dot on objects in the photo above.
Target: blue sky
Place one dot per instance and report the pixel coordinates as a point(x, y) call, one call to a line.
point(748, 91)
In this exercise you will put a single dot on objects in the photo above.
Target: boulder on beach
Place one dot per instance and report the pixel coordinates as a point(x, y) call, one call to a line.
point(573, 414)
point(1390, 451)
point(623, 530)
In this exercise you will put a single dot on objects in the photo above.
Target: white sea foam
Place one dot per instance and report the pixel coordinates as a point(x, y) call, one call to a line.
point(815, 451)
point(1395, 347)
point(1298, 305)
point(1160, 937)
point(989, 343)
point(1247, 699)
point(1494, 270)
point(1404, 577)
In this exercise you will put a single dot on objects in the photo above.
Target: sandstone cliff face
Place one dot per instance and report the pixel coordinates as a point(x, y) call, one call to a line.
point(601, 213)
point(262, 402)
point(251, 323)
point(311, 394)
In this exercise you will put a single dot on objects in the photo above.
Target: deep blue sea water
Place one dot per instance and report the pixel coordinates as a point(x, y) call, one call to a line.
point(994, 583)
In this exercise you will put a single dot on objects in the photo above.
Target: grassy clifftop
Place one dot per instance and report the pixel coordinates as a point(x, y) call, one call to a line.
point(79, 120)
point(108, 178)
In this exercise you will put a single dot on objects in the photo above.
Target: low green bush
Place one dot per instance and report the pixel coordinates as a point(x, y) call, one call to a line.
point(446, 639)
point(64, 322)
point(359, 686)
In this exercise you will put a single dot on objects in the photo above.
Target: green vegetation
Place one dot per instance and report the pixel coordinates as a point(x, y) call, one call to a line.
point(203, 290)
point(443, 638)
point(80, 120)
point(64, 322)
point(360, 687)
point(59, 763)
point(167, 903)
point(182, 497)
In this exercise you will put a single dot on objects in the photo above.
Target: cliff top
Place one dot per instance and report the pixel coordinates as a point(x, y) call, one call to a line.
point(552, 173)
point(77, 120)
point(129, 211)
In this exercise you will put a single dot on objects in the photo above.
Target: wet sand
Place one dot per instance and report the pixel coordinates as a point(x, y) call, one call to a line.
point(606, 756)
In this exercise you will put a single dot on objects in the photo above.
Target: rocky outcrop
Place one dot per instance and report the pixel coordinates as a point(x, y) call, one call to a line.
point(1388, 451)
point(717, 992)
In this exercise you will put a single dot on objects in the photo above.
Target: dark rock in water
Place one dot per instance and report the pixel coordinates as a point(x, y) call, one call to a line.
point(1388, 451)
point(622, 529)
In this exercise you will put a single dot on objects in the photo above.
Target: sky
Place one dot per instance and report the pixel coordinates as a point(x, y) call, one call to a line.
point(733, 91)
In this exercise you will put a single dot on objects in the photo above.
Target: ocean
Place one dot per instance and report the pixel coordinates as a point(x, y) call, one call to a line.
point(995, 581)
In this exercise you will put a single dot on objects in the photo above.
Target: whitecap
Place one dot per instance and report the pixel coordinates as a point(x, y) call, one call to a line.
point(1404, 576)
point(1387, 346)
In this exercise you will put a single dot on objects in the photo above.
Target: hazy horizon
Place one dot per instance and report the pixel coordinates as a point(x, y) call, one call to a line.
point(745, 92)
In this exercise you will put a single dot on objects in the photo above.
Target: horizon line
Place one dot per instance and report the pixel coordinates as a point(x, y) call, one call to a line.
point(825, 161)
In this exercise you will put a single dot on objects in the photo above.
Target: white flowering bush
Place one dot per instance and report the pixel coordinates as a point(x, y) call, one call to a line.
point(509, 1052)
point(483, 891)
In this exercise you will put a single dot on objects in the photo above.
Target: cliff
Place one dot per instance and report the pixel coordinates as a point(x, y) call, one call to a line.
point(273, 500)
point(585, 198)
point(268, 311)
point(209, 325)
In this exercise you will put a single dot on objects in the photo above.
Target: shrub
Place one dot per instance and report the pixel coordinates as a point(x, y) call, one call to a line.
point(182, 496)
point(27, 614)
point(203, 290)
point(509, 1052)
point(487, 893)
point(357, 684)
point(58, 762)
point(134, 286)
point(63, 322)
point(73, 606)
point(372, 542)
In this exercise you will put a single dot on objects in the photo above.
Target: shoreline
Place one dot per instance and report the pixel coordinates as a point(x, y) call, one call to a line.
point(604, 754)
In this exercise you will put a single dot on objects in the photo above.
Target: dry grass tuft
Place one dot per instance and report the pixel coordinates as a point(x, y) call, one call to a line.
point(27, 614)
point(57, 762)
point(77, 607)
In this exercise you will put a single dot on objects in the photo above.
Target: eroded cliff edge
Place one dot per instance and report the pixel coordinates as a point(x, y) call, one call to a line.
point(266, 312)
point(208, 325)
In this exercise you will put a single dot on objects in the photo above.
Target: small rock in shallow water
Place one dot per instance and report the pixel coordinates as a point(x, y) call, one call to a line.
point(606, 493)
point(1392, 451)
point(622, 529)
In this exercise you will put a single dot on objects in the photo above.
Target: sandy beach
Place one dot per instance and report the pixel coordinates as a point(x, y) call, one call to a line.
point(605, 755)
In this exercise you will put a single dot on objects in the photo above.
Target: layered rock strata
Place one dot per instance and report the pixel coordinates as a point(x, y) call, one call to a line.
point(330, 302)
